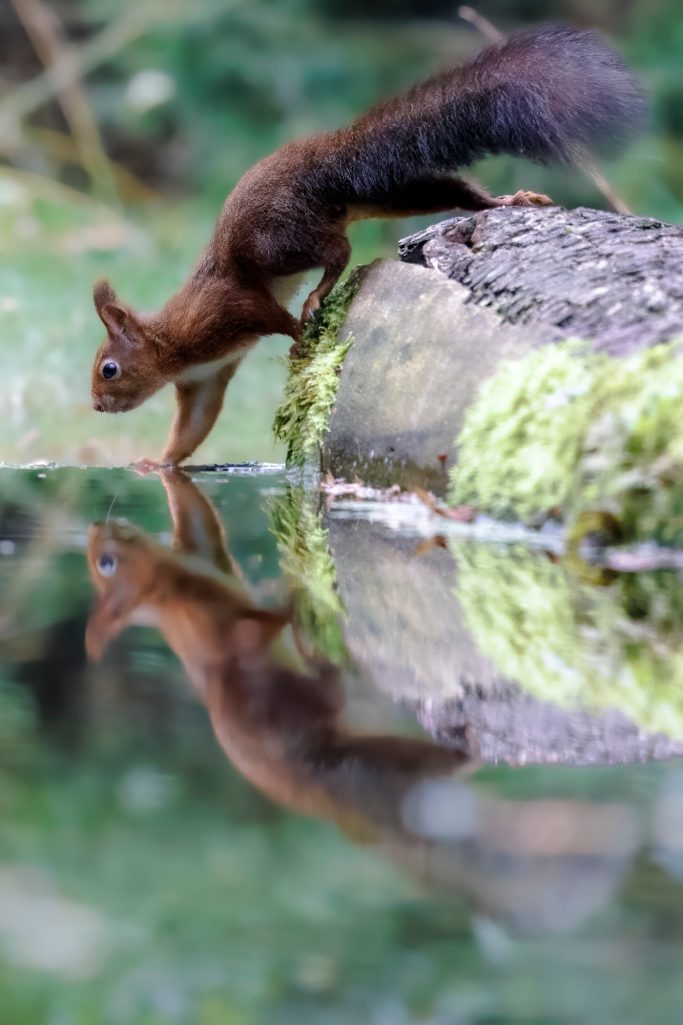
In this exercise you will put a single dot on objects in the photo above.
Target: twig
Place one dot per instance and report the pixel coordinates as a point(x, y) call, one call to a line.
point(96, 51)
point(458, 513)
point(46, 33)
point(61, 147)
point(29, 97)
point(610, 193)
point(487, 28)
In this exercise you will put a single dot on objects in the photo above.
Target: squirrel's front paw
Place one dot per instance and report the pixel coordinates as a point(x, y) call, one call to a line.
point(144, 467)
point(525, 198)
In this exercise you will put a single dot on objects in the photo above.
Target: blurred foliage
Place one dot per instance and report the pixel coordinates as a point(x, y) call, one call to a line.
point(184, 98)
point(204, 90)
point(175, 895)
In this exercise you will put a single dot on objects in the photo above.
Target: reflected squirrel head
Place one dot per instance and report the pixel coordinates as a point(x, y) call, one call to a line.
point(133, 574)
point(118, 554)
point(123, 568)
point(126, 368)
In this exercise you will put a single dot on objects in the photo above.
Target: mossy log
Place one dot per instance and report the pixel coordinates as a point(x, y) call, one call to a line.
point(522, 360)
point(498, 650)
point(511, 657)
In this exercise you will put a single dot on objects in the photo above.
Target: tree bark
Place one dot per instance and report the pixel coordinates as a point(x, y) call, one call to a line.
point(615, 280)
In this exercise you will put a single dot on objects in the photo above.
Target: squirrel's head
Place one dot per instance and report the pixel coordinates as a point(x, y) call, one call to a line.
point(123, 564)
point(120, 556)
point(126, 367)
point(134, 577)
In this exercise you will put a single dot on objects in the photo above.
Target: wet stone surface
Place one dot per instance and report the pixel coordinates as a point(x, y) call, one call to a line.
point(419, 355)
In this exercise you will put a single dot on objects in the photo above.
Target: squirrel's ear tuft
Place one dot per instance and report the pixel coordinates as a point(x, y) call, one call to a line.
point(102, 294)
point(114, 314)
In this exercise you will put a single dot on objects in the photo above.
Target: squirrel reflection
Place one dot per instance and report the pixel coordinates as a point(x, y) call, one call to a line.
point(277, 714)
point(275, 711)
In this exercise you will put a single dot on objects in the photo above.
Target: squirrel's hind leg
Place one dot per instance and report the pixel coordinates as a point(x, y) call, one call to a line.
point(440, 193)
point(474, 197)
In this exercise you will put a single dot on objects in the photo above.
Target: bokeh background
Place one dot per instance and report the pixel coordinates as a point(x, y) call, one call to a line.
point(124, 124)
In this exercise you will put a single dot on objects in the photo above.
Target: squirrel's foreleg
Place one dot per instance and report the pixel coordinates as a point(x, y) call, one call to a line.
point(197, 528)
point(198, 404)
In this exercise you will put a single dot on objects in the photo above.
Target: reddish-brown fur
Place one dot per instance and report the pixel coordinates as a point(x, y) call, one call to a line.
point(552, 94)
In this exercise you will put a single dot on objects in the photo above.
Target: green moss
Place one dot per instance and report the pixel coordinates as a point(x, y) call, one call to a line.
point(569, 428)
point(302, 419)
point(562, 640)
point(306, 561)
point(521, 439)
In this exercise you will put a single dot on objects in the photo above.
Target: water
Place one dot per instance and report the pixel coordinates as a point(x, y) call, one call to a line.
point(380, 778)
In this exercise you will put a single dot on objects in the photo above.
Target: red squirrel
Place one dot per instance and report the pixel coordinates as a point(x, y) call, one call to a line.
point(554, 94)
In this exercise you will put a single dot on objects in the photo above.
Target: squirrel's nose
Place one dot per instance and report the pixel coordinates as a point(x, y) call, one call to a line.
point(97, 406)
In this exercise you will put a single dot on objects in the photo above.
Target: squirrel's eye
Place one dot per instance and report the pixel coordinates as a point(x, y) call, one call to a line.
point(109, 369)
point(106, 564)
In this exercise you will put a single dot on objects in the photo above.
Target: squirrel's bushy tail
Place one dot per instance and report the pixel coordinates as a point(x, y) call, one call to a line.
point(554, 94)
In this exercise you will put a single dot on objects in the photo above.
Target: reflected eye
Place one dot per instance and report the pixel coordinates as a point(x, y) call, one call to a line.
point(106, 564)
point(110, 369)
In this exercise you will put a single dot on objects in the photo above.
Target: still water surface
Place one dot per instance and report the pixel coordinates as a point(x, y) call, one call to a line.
point(262, 761)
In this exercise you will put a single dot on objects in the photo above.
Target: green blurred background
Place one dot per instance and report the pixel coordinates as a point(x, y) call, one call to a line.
point(124, 124)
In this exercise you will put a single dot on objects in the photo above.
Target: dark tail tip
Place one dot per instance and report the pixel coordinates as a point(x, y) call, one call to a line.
point(576, 93)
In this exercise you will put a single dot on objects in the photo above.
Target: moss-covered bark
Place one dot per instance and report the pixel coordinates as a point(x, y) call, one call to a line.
point(307, 563)
point(302, 418)
point(571, 430)
point(528, 424)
